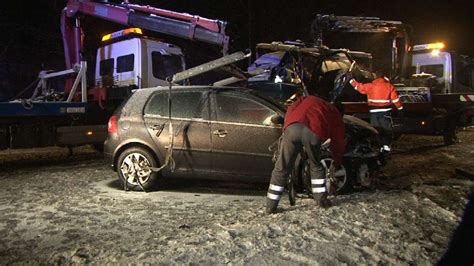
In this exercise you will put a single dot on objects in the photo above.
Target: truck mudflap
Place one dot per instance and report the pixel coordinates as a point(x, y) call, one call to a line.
point(81, 135)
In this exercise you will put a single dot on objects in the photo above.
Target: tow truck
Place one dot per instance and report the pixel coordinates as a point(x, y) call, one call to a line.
point(437, 108)
point(127, 60)
point(440, 90)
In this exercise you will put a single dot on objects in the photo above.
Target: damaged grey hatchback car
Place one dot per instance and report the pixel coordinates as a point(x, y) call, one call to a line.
point(216, 133)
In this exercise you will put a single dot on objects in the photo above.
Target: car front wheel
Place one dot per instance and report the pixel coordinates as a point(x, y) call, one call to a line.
point(341, 180)
point(134, 169)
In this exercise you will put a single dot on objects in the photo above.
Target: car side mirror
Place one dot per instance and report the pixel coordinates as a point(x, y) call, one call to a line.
point(277, 119)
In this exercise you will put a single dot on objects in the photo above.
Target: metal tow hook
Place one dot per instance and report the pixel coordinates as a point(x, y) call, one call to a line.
point(220, 132)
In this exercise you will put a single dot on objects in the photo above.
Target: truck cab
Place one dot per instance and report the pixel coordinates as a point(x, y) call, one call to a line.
point(453, 73)
point(128, 60)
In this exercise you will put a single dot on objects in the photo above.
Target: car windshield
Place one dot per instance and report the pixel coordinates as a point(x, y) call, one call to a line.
point(281, 72)
point(335, 62)
point(321, 72)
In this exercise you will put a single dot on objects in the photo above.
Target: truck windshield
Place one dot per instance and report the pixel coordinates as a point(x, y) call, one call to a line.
point(165, 65)
point(437, 70)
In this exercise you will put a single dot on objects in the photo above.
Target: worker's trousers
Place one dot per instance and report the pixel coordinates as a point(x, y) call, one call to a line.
point(382, 121)
point(295, 137)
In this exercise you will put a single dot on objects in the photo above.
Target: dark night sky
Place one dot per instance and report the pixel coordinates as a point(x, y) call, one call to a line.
point(31, 28)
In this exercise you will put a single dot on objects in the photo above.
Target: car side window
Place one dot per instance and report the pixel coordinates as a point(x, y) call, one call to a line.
point(236, 109)
point(183, 105)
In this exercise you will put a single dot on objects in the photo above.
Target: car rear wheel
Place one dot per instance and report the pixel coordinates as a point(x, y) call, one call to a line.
point(134, 169)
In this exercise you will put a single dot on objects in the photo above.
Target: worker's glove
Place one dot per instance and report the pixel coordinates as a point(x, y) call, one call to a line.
point(352, 82)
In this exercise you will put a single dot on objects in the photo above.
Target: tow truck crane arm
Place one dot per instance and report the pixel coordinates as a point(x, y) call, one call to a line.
point(181, 25)
point(355, 24)
point(332, 23)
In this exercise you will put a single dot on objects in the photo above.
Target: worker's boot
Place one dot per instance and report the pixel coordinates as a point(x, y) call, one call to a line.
point(386, 149)
point(271, 206)
point(322, 200)
point(273, 197)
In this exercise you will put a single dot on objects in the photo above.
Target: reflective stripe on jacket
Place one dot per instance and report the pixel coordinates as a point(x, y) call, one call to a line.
point(381, 94)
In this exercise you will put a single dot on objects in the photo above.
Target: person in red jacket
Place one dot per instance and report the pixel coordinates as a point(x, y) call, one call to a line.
point(381, 96)
point(309, 121)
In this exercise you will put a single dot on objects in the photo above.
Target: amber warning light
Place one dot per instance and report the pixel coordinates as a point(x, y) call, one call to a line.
point(429, 46)
point(121, 33)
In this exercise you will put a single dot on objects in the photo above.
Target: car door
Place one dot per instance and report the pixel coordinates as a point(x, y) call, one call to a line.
point(191, 128)
point(241, 133)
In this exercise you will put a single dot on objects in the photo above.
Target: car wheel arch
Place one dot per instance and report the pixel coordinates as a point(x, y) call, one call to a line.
point(132, 145)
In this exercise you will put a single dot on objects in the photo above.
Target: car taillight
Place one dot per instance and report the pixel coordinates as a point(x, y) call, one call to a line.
point(112, 125)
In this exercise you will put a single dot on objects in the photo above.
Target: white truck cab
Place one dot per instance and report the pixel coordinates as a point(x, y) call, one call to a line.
point(133, 61)
point(453, 73)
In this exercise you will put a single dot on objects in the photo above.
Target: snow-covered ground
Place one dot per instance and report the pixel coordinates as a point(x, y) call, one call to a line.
point(59, 209)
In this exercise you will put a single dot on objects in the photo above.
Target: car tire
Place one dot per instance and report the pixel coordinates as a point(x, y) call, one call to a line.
point(343, 186)
point(346, 184)
point(132, 169)
point(344, 177)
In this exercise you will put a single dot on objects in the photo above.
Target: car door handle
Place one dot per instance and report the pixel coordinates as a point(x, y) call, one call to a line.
point(220, 132)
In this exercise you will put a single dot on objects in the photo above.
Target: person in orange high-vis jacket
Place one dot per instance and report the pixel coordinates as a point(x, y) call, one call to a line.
point(381, 96)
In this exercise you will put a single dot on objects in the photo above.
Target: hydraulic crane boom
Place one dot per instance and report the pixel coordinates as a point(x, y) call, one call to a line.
point(355, 24)
point(398, 30)
point(181, 25)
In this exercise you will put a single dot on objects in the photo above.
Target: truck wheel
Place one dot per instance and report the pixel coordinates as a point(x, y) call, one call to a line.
point(133, 169)
point(397, 136)
point(450, 133)
point(99, 147)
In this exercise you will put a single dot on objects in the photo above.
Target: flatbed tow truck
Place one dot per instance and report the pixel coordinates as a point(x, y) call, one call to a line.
point(439, 108)
point(128, 60)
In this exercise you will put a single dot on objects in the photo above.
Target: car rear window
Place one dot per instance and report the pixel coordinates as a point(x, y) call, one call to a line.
point(184, 105)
